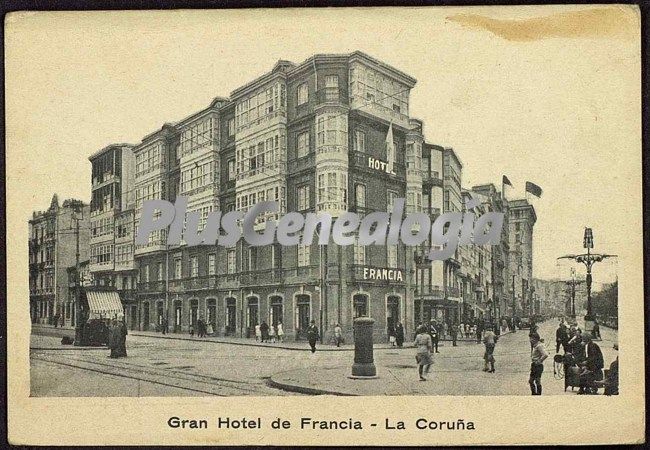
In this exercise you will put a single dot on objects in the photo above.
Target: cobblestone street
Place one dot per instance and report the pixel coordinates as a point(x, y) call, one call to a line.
point(177, 365)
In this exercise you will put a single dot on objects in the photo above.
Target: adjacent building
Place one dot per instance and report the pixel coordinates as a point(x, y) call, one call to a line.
point(112, 222)
point(521, 222)
point(55, 237)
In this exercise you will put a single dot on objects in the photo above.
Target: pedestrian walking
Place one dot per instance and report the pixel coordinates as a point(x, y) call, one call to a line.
point(210, 329)
point(433, 332)
point(264, 329)
point(191, 330)
point(272, 333)
point(468, 328)
point(490, 341)
point(123, 331)
point(114, 339)
point(200, 325)
point(479, 331)
point(424, 347)
point(461, 329)
point(258, 332)
point(453, 330)
point(537, 356)
point(312, 335)
point(280, 332)
point(399, 334)
point(338, 335)
point(163, 325)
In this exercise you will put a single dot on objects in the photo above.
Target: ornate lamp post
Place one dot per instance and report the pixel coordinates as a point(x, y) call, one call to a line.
point(588, 259)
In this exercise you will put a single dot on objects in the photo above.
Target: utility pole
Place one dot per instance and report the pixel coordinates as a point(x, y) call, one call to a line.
point(514, 305)
point(78, 326)
point(166, 317)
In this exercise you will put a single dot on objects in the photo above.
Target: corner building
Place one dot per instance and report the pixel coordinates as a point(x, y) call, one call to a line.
point(332, 134)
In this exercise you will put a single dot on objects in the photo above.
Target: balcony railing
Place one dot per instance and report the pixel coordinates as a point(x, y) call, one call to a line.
point(431, 178)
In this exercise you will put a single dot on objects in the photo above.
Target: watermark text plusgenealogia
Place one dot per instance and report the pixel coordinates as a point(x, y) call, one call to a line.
point(446, 232)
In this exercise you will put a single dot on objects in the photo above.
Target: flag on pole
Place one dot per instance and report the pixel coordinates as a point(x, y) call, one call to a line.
point(390, 148)
point(504, 182)
point(533, 189)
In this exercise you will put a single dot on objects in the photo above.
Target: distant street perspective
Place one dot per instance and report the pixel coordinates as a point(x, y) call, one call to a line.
point(180, 365)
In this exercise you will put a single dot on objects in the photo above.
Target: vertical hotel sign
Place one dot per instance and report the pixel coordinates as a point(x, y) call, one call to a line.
point(385, 166)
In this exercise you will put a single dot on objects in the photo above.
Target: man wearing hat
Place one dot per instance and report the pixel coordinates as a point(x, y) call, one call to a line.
point(592, 366)
point(537, 355)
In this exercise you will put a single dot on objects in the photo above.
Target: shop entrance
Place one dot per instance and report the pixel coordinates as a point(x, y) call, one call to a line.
point(303, 315)
point(276, 311)
point(253, 315)
point(231, 316)
point(392, 312)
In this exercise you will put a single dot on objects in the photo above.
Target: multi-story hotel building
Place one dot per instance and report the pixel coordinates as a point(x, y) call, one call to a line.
point(52, 249)
point(332, 134)
point(313, 137)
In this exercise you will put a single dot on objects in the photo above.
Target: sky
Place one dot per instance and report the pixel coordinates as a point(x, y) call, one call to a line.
point(558, 105)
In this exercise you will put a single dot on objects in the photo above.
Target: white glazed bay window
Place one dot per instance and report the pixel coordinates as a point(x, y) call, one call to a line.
point(198, 136)
point(197, 176)
point(149, 158)
point(332, 133)
point(261, 105)
point(332, 191)
point(372, 87)
point(262, 155)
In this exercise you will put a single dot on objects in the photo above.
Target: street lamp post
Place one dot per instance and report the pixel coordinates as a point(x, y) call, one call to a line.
point(514, 305)
point(588, 259)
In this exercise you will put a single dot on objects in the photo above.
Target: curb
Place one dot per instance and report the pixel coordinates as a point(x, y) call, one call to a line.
point(246, 344)
point(305, 390)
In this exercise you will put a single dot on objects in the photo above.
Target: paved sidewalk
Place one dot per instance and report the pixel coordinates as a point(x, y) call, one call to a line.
point(286, 345)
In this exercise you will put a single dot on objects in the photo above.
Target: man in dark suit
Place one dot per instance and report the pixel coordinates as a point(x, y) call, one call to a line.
point(592, 367)
point(561, 338)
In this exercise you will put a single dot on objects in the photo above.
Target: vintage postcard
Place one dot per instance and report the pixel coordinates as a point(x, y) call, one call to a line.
point(373, 226)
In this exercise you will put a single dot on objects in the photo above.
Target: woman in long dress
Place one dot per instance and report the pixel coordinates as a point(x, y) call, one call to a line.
point(424, 345)
point(114, 339)
point(280, 332)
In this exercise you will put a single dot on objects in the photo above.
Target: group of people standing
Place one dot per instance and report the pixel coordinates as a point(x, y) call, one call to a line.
point(203, 329)
point(117, 339)
point(266, 333)
point(583, 358)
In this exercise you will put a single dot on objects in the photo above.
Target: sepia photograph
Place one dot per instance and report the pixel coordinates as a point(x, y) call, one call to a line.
point(321, 204)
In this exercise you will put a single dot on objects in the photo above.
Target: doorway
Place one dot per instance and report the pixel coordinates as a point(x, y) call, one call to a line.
point(303, 315)
point(253, 317)
point(178, 315)
point(145, 316)
point(231, 316)
point(392, 312)
point(276, 311)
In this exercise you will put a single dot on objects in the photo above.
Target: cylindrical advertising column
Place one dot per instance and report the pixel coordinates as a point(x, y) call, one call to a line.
point(364, 365)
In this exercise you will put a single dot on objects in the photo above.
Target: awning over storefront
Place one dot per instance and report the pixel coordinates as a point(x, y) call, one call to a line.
point(104, 305)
